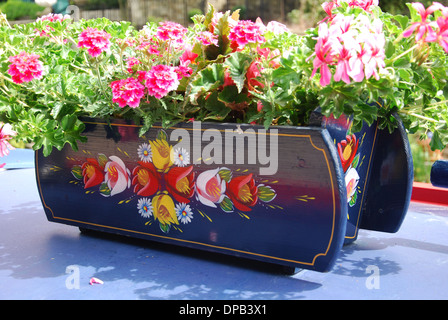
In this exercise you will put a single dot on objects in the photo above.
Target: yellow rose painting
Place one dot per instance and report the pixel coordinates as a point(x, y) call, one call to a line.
point(164, 211)
point(161, 154)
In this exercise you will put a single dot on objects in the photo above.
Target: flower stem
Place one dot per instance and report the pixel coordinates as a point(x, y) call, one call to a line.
point(410, 113)
point(9, 80)
point(435, 104)
point(404, 53)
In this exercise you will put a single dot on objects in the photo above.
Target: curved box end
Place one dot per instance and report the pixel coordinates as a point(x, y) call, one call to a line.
point(342, 203)
point(355, 151)
point(390, 186)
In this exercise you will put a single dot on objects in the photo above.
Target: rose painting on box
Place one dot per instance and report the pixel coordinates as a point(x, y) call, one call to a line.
point(166, 188)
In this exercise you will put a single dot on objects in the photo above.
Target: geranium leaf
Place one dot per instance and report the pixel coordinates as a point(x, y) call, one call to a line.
point(237, 64)
point(206, 80)
point(217, 108)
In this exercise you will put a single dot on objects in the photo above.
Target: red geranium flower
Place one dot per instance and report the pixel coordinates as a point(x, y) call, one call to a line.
point(92, 172)
point(253, 73)
point(243, 192)
point(347, 151)
point(180, 183)
point(146, 179)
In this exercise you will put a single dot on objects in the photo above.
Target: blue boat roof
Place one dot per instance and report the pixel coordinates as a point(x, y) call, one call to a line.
point(42, 260)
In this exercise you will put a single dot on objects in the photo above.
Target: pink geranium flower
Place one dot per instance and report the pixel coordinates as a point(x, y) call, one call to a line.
point(324, 55)
point(246, 32)
point(127, 92)
point(183, 70)
point(442, 33)
point(25, 67)
point(424, 28)
point(6, 133)
point(374, 58)
point(342, 66)
point(328, 8)
point(355, 45)
point(148, 47)
point(188, 55)
point(207, 38)
point(364, 4)
point(160, 80)
point(357, 65)
point(94, 40)
point(272, 56)
point(131, 62)
point(52, 17)
point(276, 27)
point(171, 31)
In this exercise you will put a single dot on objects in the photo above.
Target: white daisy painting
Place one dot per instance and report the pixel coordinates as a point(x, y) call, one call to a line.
point(144, 207)
point(181, 157)
point(184, 213)
point(144, 152)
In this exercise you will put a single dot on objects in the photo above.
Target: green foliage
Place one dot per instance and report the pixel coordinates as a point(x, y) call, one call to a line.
point(16, 9)
point(192, 13)
point(414, 83)
point(267, 83)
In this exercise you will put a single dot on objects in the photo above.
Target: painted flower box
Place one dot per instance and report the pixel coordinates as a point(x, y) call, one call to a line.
point(292, 195)
point(282, 195)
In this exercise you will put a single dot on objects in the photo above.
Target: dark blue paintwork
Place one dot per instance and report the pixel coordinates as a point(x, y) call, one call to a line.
point(390, 186)
point(439, 174)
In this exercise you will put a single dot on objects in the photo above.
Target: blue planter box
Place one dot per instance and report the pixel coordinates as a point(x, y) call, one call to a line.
point(290, 195)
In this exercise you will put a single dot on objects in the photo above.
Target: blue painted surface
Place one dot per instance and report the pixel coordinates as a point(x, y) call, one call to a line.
point(439, 174)
point(35, 256)
point(19, 159)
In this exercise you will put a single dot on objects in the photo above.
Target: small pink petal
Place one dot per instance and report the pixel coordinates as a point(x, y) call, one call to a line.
point(94, 280)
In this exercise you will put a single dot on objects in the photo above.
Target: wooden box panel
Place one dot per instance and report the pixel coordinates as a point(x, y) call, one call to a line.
point(276, 196)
